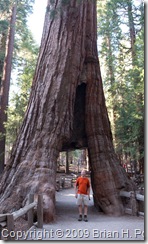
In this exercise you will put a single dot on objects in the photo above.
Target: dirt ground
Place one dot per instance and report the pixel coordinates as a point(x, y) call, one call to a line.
point(67, 227)
point(99, 226)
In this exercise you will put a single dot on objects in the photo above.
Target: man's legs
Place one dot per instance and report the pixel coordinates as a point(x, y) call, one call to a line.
point(79, 203)
point(82, 201)
point(80, 212)
point(85, 209)
point(85, 213)
point(80, 209)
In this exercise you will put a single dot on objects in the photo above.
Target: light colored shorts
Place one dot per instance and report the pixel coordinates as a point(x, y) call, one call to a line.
point(82, 199)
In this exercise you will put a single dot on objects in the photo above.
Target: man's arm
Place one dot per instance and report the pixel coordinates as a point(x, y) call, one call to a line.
point(76, 189)
point(88, 190)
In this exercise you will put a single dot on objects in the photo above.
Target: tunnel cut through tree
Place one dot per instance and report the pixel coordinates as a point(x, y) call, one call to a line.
point(66, 110)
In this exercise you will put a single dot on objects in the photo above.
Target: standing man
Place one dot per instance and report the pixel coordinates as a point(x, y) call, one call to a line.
point(82, 193)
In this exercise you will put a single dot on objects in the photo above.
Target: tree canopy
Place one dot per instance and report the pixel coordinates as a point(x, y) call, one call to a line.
point(121, 53)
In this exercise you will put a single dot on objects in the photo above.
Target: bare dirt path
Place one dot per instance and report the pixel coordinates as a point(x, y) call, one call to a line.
point(99, 226)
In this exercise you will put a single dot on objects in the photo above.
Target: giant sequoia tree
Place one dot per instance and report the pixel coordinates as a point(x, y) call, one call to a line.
point(66, 110)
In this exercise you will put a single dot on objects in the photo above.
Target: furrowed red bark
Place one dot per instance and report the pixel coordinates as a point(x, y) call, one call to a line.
point(66, 110)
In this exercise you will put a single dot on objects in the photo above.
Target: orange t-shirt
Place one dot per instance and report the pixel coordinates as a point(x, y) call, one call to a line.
point(83, 185)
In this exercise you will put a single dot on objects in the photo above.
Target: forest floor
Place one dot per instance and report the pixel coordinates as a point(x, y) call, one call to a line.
point(99, 226)
point(67, 227)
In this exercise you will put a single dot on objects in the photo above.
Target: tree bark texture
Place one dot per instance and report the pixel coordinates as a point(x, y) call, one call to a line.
point(66, 110)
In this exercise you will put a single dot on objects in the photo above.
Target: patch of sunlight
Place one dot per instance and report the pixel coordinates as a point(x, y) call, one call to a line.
point(69, 195)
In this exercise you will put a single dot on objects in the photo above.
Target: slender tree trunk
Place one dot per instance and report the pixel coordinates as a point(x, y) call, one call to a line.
point(67, 68)
point(132, 31)
point(67, 163)
point(4, 89)
point(83, 158)
point(3, 39)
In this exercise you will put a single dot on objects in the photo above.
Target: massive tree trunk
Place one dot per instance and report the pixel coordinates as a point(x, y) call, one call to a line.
point(66, 110)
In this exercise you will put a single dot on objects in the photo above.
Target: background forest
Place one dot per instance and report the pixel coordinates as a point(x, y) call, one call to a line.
point(121, 55)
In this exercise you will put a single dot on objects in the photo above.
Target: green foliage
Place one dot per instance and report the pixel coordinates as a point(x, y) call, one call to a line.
point(4, 5)
point(3, 26)
point(123, 79)
point(24, 62)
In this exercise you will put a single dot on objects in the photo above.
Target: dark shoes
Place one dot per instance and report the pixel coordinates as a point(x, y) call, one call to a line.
point(85, 218)
point(80, 218)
